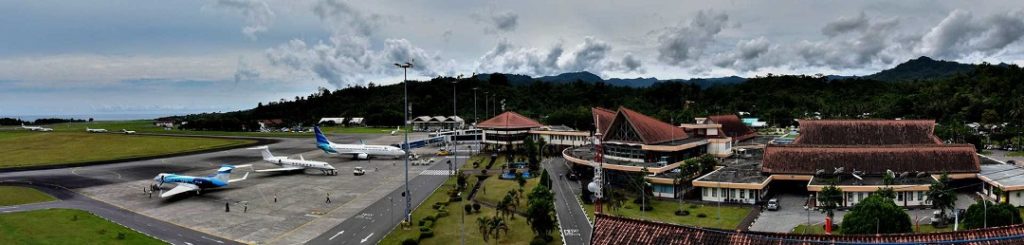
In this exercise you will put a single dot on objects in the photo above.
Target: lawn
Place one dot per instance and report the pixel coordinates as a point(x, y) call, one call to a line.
point(447, 229)
point(21, 148)
point(65, 226)
point(820, 229)
point(16, 195)
point(495, 189)
point(1015, 154)
point(664, 211)
point(146, 126)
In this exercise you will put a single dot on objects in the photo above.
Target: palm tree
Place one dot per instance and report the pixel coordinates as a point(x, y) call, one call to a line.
point(497, 225)
point(483, 223)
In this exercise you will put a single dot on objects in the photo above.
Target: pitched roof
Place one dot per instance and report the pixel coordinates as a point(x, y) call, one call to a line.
point(619, 230)
point(931, 158)
point(651, 131)
point(733, 127)
point(602, 118)
point(509, 120)
point(866, 132)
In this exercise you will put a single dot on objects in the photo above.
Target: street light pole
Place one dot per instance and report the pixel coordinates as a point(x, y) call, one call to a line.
point(405, 121)
point(475, 119)
point(455, 154)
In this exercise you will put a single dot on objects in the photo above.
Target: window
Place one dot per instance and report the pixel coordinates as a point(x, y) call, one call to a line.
point(910, 196)
point(706, 192)
point(860, 196)
point(743, 193)
point(899, 196)
point(714, 192)
point(920, 196)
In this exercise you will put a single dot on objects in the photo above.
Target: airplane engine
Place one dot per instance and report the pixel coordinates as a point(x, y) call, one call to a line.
point(362, 156)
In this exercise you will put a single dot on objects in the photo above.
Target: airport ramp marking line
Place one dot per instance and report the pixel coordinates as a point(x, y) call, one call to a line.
point(75, 171)
point(211, 239)
point(336, 235)
point(367, 238)
point(436, 172)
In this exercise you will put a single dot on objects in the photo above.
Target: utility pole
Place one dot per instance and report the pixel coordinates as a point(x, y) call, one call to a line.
point(475, 119)
point(405, 121)
point(455, 153)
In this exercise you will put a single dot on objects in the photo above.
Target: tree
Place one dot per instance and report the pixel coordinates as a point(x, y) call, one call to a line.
point(686, 172)
point(941, 195)
point(496, 226)
point(639, 182)
point(829, 198)
point(461, 180)
point(539, 213)
point(520, 180)
point(532, 159)
point(545, 180)
point(885, 192)
point(483, 223)
point(986, 214)
point(876, 214)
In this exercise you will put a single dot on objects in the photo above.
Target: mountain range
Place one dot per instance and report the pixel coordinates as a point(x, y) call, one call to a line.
point(922, 68)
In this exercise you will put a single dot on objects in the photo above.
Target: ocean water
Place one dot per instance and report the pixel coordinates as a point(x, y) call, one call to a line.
point(98, 117)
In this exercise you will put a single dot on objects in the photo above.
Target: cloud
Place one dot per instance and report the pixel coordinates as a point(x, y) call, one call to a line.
point(854, 42)
point(961, 34)
point(749, 55)
point(342, 18)
point(447, 35)
point(258, 15)
point(846, 24)
point(245, 72)
point(591, 55)
point(688, 41)
point(497, 22)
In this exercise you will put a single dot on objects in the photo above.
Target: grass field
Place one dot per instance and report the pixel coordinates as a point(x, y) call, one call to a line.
point(820, 229)
point(447, 229)
point(21, 148)
point(146, 126)
point(496, 189)
point(65, 226)
point(16, 195)
point(664, 211)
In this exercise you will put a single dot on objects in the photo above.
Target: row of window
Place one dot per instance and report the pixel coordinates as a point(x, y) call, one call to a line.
point(729, 193)
point(909, 195)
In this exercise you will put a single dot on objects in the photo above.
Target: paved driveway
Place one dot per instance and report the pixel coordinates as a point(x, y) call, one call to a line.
point(792, 213)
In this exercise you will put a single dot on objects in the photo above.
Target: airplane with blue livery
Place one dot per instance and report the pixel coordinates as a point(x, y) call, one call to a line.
point(187, 183)
point(358, 151)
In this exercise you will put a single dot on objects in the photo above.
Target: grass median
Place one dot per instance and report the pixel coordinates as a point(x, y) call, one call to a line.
point(29, 149)
point(65, 226)
point(664, 211)
point(17, 195)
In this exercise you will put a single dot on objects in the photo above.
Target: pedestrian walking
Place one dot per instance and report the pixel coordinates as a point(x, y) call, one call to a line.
point(227, 207)
point(328, 197)
point(275, 198)
point(245, 207)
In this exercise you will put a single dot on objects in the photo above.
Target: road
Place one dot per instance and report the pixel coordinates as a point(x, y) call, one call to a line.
point(377, 220)
point(576, 229)
point(161, 230)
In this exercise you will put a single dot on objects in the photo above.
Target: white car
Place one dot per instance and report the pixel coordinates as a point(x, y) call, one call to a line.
point(358, 171)
point(773, 204)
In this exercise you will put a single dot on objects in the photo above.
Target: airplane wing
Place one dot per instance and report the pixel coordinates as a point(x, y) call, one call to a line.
point(181, 188)
point(278, 169)
point(240, 179)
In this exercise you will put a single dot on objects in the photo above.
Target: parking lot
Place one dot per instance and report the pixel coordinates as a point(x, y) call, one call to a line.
point(271, 208)
point(792, 213)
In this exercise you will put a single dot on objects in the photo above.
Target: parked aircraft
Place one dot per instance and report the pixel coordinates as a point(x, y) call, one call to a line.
point(358, 151)
point(293, 164)
point(198, 184)
point(36, 128)
point(125, 131)
point(95, 130)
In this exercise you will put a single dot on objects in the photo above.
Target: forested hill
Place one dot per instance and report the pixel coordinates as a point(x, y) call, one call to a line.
point(990, 93)
point(922, 68)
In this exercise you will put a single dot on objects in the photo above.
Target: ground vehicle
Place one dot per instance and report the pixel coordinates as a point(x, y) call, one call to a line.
point(773, 204)
point(358, 171)
point(443, 152)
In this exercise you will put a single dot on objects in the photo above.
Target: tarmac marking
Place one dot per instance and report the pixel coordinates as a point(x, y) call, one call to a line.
point(336, 235)
point(75, 171)
point(367, 238)
point(207, 238)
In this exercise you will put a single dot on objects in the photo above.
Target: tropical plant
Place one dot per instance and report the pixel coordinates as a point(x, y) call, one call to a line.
point(941, 195)
point(829, 198)
point(987, 214)
point(539, 213)
point(876, 214)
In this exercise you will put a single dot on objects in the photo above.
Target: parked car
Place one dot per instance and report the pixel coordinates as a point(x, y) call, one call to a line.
point(443, 152)
point(358, 171)
point(773, 204)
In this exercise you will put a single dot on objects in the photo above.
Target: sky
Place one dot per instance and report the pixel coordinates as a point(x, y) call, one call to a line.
point(172, 57)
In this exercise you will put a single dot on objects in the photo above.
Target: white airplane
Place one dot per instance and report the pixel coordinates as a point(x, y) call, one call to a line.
point(125, 131)
point(360, 151)
point(293, 164)
point(397, 129)
point(36, 128)
point(95, 130)
point(194, 183)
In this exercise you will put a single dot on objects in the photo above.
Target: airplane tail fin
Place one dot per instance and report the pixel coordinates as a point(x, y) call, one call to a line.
point(224, 172)
point(265, 151)
point(320, 138)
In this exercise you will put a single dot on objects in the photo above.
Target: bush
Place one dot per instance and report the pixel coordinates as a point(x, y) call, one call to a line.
point(701, 215)
point(538, 240)
point(410, 241)
point(426, 234)
point(682, 212)
point(442, 214)
point(423, 229)
point(430, 218)
point(426, 224)
point(121, 235)
point(476, 207)
point(468, 207)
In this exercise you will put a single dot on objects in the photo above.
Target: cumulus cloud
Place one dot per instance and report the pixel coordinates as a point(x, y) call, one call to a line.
point(688, 41)
point(854, 42)
point(497, 22)
point(349, 56)
point(258, 15)
point(846, 24)
point(749, 55)
point(591, 55)
point(245, 72)
point(962, 34)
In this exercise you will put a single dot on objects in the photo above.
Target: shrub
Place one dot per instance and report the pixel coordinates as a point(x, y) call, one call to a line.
point(422, 229)
point(476, 207)
point(426, 224)
point(410, 241)
point(426, 234)
point(682, 212)
point(701, 215)
point(121, 235)
point(468, 207)
point(442, 214)
point(538, 240)
point(430, 218)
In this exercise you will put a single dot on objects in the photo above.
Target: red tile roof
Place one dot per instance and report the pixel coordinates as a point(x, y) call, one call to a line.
point(651, 131)
point(509, 120)
point(733, 127)
point(602, 118)
point(933, 159)
point(866, 132)
point(609, 230)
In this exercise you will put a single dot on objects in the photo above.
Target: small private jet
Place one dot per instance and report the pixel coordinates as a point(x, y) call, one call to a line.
point(125, 131)
point(397, 129)
point(95, 130)
point(36, 128)
point(287, 164)
point(195, 183)
point(358, 151)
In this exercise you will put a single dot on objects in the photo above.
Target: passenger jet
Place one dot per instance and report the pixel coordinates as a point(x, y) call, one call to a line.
point(293, 164)
point(194, 183)
point(36, 128)
point(360, 151)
